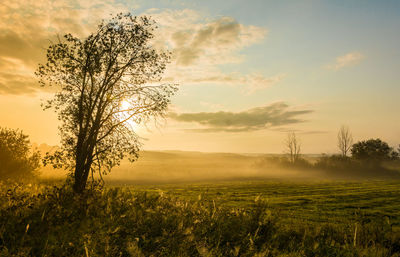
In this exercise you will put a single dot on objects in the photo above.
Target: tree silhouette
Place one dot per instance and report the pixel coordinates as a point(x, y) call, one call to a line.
point(106, 83)
point(372, 150)
point(17, 161)
point(293, 147)
point(345, 140)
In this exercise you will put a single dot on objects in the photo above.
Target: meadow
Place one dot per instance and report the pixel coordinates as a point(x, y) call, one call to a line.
point(299, 202)
point(237, 218)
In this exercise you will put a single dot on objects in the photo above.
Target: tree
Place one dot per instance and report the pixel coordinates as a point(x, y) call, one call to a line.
point(106, 83)
point(373, 150)
point(398, 152)
point(395, 155)
point(293, 147)
point(17, 161)
point(345, 140)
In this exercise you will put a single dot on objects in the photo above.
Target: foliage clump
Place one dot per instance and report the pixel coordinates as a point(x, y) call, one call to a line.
point(17, 160)
point(372, 150)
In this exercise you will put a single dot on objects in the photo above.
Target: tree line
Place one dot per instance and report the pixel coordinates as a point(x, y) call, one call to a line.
point(372, 150)
point(371, 157)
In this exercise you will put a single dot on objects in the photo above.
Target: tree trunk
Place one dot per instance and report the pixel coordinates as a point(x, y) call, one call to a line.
point(81, 177)
point(79, 184)
point(82, 169)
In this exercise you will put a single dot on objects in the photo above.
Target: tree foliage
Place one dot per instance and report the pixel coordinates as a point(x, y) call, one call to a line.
point(17, 161)
point(371, 150)
point(106, 83)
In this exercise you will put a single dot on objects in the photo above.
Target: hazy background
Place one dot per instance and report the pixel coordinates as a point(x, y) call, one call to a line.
point(160, 167)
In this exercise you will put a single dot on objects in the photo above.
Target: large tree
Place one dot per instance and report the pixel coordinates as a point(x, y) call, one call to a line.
point(105, 84)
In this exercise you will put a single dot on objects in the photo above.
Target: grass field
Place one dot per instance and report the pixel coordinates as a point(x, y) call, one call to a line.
point(305, 202)
point(248, 218)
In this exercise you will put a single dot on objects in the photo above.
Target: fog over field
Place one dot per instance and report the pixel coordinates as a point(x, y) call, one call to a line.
point(176, 166)
point(154, 167)
point(179, 166)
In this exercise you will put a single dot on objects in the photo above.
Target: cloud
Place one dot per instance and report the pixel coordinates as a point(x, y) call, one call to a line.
point(250, 82)
point(258, 81)
point(212, 105)
point(198, 44)
point(270, 116)
point(214, 42)
point(195, 40)
point(16, 77)
point(28, 26)
point(349, 59)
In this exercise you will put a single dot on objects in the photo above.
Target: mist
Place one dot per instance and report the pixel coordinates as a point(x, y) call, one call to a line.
point(163, 167)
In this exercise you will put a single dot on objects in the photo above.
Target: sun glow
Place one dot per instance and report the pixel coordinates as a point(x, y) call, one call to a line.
point(125, 106)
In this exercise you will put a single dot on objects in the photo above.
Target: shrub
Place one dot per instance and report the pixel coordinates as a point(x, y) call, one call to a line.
point(17, 161)
point(345, 167)
point(334, 162)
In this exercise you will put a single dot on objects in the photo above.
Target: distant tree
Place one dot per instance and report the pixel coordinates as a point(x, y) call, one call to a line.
point(293, 147)
point(345, 140)
point(395, 155)
point(17, 160)
point(398, 152)
point(106, 82)
point(374, 150)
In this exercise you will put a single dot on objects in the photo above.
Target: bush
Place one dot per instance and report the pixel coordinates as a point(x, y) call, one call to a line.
point(284, 162)
point(334, 162)
point(17, 161)
point(345, 167)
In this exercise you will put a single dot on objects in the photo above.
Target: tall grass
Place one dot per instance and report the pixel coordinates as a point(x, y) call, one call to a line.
point(53, 221)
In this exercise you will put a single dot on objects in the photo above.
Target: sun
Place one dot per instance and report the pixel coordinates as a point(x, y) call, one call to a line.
point(125, 105)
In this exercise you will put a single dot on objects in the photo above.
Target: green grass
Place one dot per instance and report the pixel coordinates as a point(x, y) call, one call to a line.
point(259, 218)
point(312, 202)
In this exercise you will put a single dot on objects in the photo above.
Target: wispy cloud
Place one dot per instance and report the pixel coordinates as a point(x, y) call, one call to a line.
point(349, 59)
point(198, 44)
point(249, 82)
point(212, 106)
point(27, 27)
point(256, 81)
point(270, 116)
point(195, 40)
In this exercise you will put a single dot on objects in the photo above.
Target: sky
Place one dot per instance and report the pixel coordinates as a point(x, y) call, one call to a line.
point(249, 72)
